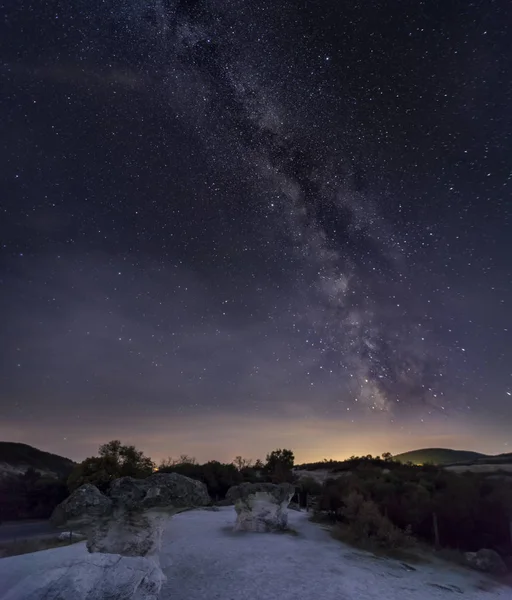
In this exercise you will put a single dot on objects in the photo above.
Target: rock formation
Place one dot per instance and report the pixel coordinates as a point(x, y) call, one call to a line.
point(86, 504)
point(261, 506)
point(124, 530)
point(130, 519)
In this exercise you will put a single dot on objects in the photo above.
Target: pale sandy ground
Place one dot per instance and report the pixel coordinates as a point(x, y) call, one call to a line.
point(205, 560)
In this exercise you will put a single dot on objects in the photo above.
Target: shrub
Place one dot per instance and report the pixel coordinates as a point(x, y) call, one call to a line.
point(472, 511)
point(366, 524)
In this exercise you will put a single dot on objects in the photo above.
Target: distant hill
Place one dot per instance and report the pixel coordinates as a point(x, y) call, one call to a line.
point(16, 458)
point(440, 456)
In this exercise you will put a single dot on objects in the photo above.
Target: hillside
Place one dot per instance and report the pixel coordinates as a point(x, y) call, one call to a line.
point(16, 458)
point(439, 456)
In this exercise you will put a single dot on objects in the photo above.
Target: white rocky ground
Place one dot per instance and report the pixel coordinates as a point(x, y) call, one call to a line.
point(204, 559)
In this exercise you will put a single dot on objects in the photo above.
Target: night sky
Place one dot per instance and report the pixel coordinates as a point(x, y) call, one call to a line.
point(231, 226)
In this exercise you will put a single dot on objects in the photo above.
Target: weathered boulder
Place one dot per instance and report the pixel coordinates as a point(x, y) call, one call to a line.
point(124, 531)
point(261, 506)
point(160, 490)
point(130, 519)
point(93, 577)
point(486, 560)
point(85, 505)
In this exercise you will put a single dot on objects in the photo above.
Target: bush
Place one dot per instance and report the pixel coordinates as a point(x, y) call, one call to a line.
point(472, 511)
point(366, 524)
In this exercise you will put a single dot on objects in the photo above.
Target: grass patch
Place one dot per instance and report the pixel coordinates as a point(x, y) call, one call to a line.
point(19, 547)
point(345, 534)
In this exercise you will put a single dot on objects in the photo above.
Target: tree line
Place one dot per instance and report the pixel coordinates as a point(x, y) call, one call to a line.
point(30, 495)
point(394, 504)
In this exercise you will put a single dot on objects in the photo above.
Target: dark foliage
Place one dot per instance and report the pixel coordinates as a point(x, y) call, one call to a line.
point(335, 466)
point(279, 465)
point(473, 511)
point(30, 496)
point(114, 461)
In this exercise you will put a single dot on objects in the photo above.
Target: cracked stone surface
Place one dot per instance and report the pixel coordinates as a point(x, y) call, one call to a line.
point(93, 577)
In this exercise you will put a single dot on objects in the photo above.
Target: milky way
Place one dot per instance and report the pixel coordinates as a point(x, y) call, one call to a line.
point(256, 210)
point(351, 259)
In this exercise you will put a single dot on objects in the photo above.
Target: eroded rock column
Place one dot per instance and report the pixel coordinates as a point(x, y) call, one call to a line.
point(124, 532)
point(261, 507)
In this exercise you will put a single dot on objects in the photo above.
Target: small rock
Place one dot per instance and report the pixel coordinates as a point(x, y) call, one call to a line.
point(487, 561)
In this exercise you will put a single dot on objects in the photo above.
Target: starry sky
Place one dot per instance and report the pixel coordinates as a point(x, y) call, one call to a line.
point(234, 225)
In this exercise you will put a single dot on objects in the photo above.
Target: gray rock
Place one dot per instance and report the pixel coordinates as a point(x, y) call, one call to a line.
point(85, 505)
point(488, 561)
point(129, 533)
point(160, 490)
point(261, 506)
point(93, 577)
point(130, 519)
point(124, 531)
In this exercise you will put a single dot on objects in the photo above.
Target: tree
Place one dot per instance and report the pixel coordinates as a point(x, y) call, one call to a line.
point(242, 463)
point(114, 461)
point(279, 465)
point(387, 456)
point(283, 457)
point(184, 459)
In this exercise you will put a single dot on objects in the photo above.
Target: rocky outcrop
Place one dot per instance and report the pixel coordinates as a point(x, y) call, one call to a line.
point(158, 491)
point(130, 519)
point(124, 530)
point(488, 561)
point(93, 577)
point(261, 506)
